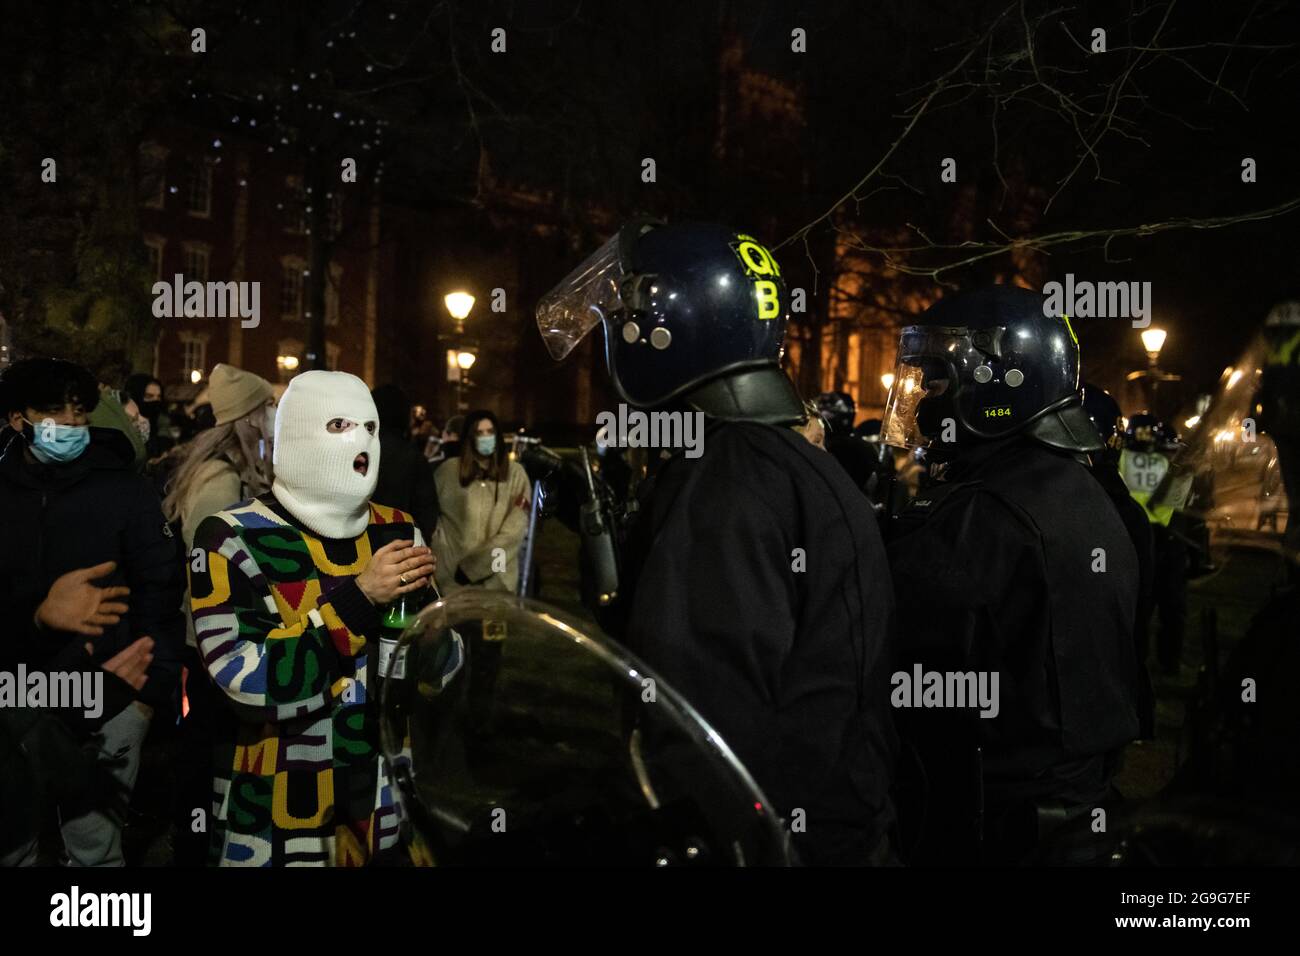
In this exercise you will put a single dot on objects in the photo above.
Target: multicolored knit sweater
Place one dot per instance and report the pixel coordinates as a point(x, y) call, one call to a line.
point(288, 636)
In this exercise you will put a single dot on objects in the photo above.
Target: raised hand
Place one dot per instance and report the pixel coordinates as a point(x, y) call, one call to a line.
point(74, 604)
point(394, 569)
point(131, 664)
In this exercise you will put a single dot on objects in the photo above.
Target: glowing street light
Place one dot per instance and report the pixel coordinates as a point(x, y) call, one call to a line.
point(459, 305)
point(286, 362)
point(465, 360)
point(196, 376)
point(1153, 340)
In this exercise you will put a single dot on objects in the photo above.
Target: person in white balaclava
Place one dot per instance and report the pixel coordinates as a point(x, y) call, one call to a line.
point(285, 596)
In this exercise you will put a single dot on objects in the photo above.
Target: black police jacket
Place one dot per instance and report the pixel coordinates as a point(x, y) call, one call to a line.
point(856, 457)
point(1019, 564)
point(756, 585)
point(58, 518)
point(1138, 526)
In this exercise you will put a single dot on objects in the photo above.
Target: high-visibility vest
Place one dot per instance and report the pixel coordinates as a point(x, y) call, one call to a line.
point(1142, 472)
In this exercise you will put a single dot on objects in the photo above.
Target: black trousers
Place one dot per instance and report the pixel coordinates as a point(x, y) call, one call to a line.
point(194, 765)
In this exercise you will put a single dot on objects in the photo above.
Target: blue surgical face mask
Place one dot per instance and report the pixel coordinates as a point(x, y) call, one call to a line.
point(485, 444)
point(55, 444)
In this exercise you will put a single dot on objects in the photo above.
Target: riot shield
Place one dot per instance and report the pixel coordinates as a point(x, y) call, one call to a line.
point(1227, 475)
point(516, 735)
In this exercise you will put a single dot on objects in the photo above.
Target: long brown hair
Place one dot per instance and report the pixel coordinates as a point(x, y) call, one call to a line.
point(497, 467)
point(227, 442)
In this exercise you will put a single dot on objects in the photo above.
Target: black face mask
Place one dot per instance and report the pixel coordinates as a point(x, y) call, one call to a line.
point(930, 415)
point(150, 410)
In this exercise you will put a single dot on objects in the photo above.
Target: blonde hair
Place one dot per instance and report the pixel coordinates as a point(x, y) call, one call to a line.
point(219, 442)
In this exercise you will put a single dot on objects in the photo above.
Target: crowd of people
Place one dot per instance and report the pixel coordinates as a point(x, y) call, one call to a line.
point(229, 564)
point(223, 567)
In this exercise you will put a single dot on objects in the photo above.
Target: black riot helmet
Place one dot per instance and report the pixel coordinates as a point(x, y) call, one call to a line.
point(1145, 431)
point(838, 410)
point(1103, 411)
point(693, 313)
point(986, 365)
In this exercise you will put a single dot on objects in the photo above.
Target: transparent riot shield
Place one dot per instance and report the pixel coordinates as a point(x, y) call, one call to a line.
point(1228, 476)
point(517, 736)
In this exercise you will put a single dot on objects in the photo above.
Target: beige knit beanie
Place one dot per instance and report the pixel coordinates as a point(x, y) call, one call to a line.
point(234, 393)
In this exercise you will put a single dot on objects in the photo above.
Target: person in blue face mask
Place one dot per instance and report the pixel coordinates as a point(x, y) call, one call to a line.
point(71, 499)
point(483, 501)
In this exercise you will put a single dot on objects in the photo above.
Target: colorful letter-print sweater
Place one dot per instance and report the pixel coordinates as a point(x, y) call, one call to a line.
point(290, 639)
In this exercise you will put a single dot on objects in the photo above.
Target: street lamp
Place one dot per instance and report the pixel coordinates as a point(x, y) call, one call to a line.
point(1151, 380)
point(196, 376)
point(459, 362)
point(459, 359)
point(1153, 340)
point(459, 305)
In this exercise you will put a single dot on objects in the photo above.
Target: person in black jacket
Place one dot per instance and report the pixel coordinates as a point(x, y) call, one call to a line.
point(1015, 566)
point(855, 455)
point(754, 578)
point(70, 499)
point(1104, 414)
point(47, 756)
point(405, 475)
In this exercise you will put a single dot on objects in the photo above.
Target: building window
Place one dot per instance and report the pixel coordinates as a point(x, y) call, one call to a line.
point(153, 175)
point(196, 262)
point(198, 188)
point(295, 206)
point(154, 246)
point(194, 356)
point(288, 358)
point(6, 347)
point(332, 289)
point(291, 288)
point(336, 215)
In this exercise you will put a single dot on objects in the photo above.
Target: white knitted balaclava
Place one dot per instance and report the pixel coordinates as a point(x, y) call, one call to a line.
point(316, 468)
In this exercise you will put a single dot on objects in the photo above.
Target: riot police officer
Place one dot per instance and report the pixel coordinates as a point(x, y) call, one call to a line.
point(855, 455)
point(1149, 445)
point(754, 577)
point(1104, 413)
point(1014, 564)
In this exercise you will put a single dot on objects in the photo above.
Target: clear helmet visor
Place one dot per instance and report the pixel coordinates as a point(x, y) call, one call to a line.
point(926, 360)
point(581, 300)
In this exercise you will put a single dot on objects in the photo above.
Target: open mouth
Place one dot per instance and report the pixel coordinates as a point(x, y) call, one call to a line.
point(361, 464)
